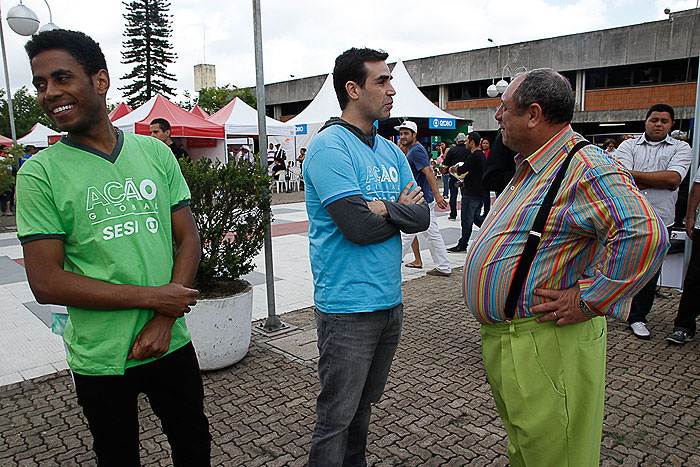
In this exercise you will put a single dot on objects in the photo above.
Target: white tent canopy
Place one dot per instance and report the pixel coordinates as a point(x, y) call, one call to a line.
point(240, 119)
point(409, 102)
point(39, 136)
point(324, 106)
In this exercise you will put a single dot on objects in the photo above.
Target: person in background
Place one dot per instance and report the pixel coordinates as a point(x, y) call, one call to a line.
point(245, 155)
point(419, 160)
point(7, 198)
point(29, 151)
point(658, 163)
point(609, 145)
point(456, 154)
point(485, 147)
point(301, 157)
point(472, 192)
point(486, 200)
point(444, 174)
point(160, 129)
point(271, 154)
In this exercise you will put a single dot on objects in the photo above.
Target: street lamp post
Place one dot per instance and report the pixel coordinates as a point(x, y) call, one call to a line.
point(24, 22)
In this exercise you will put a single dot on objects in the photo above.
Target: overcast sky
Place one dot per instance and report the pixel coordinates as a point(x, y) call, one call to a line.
point(303, 37)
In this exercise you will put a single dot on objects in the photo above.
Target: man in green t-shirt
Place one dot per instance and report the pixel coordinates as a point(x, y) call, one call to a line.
point(98, 214)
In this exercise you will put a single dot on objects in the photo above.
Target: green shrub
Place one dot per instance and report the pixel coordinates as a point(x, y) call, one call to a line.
point(231, 205)
point(9, 166)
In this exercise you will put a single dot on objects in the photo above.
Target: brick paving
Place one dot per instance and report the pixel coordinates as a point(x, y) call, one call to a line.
point(437, 408)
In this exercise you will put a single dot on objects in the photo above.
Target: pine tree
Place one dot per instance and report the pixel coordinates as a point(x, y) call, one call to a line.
point(148, 30)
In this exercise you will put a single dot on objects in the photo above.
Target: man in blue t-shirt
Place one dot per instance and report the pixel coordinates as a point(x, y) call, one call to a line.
point(419, 161)
point(360, 194)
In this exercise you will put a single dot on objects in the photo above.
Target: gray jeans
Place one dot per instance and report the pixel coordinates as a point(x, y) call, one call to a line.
point(356, 350)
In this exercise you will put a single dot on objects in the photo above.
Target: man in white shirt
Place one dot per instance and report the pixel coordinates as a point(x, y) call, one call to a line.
point(658, 164)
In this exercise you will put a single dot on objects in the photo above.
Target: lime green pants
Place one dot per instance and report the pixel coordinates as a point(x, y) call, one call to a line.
point(549, 387)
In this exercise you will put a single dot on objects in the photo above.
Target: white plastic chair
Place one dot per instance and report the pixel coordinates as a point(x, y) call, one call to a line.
point(294, 178)
point(281, 183)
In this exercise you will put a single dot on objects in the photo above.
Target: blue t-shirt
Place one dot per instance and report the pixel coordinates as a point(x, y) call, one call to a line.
point(352, 278)
point(418, 159)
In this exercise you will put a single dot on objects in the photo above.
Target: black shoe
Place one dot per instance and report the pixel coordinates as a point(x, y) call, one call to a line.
point(451, 218)
point(456, 249)
point(679, 337)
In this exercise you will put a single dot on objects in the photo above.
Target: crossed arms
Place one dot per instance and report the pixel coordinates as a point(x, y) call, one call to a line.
point(364, 222)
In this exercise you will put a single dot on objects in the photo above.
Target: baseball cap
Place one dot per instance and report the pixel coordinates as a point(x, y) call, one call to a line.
point(461, 138)
point(245, 148)
point(409, 125)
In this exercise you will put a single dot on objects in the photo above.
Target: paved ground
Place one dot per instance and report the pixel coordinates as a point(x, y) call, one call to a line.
point(437, 409)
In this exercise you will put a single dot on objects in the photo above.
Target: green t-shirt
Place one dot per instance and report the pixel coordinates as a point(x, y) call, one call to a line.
point(113, 212)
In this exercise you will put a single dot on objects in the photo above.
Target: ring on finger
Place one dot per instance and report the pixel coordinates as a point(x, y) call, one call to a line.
point(554, 314)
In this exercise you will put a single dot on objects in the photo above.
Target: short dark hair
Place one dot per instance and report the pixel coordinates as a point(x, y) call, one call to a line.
point(162, 123)
point(661, 108)
point(350, 66)
point(475, 137)
point(79, 45)
point(29, 148)
point(550, 90)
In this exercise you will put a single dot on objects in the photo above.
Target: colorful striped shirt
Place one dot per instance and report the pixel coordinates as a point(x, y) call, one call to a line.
point(601, 232)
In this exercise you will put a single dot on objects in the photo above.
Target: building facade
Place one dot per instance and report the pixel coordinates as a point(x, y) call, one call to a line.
point(616, 74)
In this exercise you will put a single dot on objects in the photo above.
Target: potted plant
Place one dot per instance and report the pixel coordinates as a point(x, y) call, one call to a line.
point(231, 205)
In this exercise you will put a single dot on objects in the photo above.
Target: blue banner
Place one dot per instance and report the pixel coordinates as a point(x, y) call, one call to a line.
point(442, 123)
point(301, 129)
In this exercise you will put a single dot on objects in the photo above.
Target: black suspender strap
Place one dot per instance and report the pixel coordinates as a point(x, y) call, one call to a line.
point(533, 240)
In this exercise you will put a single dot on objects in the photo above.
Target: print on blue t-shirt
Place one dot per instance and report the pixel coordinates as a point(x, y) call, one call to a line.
point(418, 159)
point(351, 278)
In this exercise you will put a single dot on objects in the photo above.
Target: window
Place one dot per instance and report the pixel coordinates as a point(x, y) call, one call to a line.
point(431, 92)
point(622, 76)
point(675, 71)
point(470, 90)
point(294, 108)
point(645, 74)
point(571, 76)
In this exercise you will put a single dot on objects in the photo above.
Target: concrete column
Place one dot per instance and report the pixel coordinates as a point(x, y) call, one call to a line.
point(442, 96)
point(578, 106)
point(277, 111)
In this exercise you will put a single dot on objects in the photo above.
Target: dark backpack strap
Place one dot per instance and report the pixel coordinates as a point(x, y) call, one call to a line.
point(533, 239)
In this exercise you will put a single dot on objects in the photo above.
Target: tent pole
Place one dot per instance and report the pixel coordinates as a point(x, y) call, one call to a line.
point(273, 322)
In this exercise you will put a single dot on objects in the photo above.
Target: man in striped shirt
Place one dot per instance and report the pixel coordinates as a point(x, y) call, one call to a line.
point(601, 242)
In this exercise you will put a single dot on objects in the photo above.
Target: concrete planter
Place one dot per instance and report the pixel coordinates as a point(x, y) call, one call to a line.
point(220, 329)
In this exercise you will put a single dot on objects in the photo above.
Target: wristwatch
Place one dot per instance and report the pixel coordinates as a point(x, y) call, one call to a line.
point(590, 313)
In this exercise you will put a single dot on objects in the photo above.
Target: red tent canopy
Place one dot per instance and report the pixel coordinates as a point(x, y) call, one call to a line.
point(197, 110)
point(182, 123)
point(5, 141)
point(121, 110)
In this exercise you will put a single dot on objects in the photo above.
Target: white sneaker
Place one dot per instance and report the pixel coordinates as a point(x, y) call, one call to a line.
point(640, 330)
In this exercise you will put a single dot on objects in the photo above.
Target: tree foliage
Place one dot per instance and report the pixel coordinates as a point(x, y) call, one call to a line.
point(213, 99)
point(231, 206)
point(27, 112)
point(148, 32)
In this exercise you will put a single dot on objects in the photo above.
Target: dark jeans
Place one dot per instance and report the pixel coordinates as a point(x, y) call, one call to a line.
point(174, 389)
point(356, 350)
point(454, 190)
point(445, 185)
point(644, 300)
point(689, 308)
point(486, 202)
point(470, 211)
